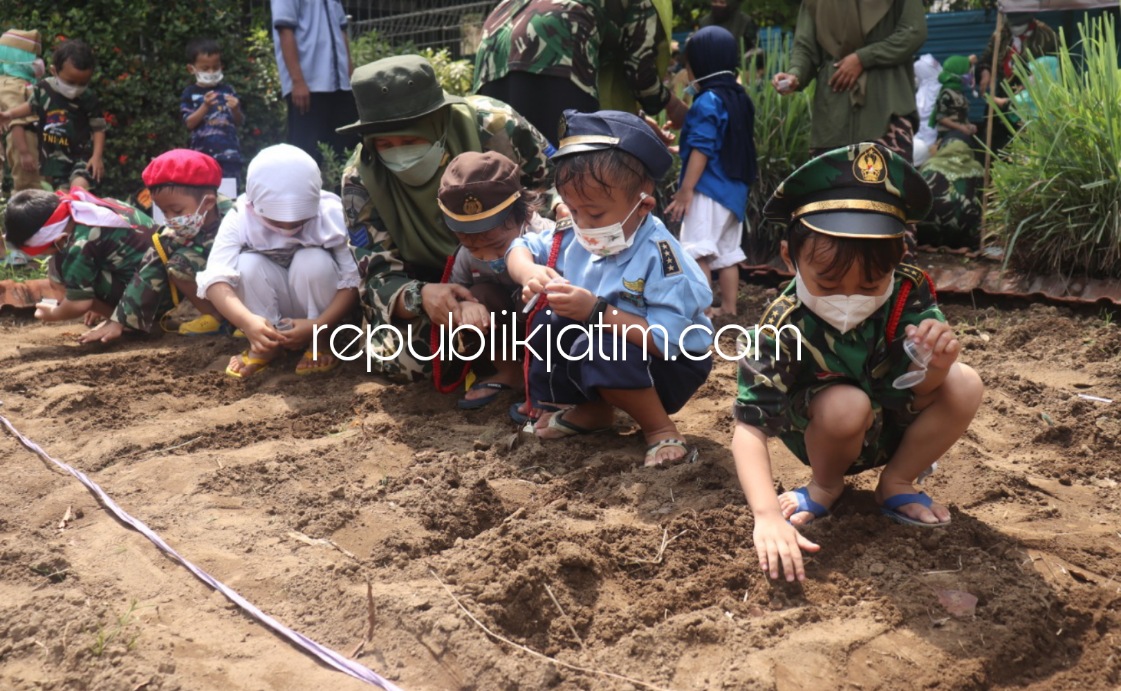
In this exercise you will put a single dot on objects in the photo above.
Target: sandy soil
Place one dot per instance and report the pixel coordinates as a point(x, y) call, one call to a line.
point(567, 548)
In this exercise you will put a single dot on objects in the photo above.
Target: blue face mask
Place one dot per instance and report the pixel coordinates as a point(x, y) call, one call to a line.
point(496, 266)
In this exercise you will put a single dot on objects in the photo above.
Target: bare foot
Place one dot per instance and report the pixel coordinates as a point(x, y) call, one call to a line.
point(826, 496)
point(325, 362)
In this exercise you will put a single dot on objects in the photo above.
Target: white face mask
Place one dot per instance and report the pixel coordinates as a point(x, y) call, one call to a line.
point(843, 312)
point(208, 78)
point(188, 226)
point(71, 91)
point(414, 164)
point(608, 240)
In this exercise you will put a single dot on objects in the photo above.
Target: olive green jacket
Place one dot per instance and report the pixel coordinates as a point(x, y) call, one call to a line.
point(887, 56)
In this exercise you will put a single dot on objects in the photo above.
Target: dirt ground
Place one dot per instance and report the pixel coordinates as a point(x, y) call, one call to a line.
point(298, 492)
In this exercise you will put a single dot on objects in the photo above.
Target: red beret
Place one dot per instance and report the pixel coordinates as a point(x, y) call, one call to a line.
point(183, 167)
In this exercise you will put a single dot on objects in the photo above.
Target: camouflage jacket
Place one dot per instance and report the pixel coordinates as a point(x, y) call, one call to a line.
point(811, 354)
point(148, 293)
point(100, 262)
point(385, 273)
point(572, 39)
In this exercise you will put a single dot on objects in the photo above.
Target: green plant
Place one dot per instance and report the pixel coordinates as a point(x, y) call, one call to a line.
point(455, 76)
point(122, 628)
point(141, 72)
point(1056, 194)
point(782, 143)
point(331, 166)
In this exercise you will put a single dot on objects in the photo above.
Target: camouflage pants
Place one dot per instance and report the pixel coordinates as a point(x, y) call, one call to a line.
point(148, 294)
point(955, 217)
point(900, 139)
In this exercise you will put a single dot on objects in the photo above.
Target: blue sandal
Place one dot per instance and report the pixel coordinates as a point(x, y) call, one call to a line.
point(890, 508)
point(807, 504)
point(476, 403)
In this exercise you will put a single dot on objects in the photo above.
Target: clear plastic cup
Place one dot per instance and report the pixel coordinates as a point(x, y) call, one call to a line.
point(284, 324)
point(920, 354)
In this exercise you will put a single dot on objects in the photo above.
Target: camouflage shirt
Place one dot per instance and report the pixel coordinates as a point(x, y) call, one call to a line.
point(774, 389)
point(98, 263)
point(1039, 42)
point(951, 104)
point(572, 39)
point(148, 293)
point(65, 127)
point(380, 263)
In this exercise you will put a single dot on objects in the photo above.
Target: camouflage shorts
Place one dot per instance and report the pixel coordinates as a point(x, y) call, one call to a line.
point(880, 441)
point(60, 171)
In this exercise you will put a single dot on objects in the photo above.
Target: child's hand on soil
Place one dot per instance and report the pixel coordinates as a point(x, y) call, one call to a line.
point(474, 314)
point(940, 339)
point(107, 331)
point(571, 302)
point(262, 337)
point(779, 543)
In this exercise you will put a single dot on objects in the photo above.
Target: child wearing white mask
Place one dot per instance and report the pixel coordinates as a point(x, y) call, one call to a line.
point(212, 111)
point(280, 265)
point(627, 329)
point(862, 371)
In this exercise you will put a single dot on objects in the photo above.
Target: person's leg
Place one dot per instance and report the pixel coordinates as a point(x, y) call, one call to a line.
point(554, 379)
point(729, 253)
point(508, 367)
point(342, 111)
point(263, 289)
point(839, 417)
point(900, 138)
point(698, 236)
point(313, 278)
point(24, 178)
point(944, 417)
point(305, 130)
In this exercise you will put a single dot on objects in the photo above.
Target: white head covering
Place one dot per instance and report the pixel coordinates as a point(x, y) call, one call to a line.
point(283, 184)
point(927, 70)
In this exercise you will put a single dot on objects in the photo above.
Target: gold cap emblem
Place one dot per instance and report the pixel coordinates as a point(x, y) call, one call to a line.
point(472, 206)
point(870, 167)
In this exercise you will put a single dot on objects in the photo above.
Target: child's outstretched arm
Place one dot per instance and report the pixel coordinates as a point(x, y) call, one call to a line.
point(20, 111)
point(776, 541)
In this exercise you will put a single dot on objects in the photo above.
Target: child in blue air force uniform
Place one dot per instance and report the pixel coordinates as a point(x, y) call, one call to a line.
point(624, 270)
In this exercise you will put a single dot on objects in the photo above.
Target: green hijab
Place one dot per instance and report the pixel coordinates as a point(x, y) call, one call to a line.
point(950, 79)
point(410, 214)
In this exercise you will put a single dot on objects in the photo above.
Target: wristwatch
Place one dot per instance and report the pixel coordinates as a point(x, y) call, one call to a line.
point(412, 300)
point(599, 308)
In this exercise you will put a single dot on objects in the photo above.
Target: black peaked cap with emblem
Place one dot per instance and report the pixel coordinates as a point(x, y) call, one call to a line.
point(858, 191)
point(478, 190)
point(613, 129)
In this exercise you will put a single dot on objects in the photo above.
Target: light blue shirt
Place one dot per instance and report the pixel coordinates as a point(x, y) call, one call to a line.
point(540, 245)
point(705, 126)
point(653, 279)
point(319, 26)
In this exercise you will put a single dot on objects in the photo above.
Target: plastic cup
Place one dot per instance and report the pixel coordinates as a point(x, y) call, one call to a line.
point(919, 354)
point(284, 325)
point(48, 302)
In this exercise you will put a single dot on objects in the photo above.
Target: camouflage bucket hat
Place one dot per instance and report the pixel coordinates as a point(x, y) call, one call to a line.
point(862, 191)
point(393, 91)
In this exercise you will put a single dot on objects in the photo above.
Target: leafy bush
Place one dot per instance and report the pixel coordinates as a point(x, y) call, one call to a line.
point(141, 71)
point(455, 76)
point(1056, 197)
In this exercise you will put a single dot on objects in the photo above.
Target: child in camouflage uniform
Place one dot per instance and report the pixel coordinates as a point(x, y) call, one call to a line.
point(97, 246)
point(839, 387)
point(71, 127)
point(184, 185)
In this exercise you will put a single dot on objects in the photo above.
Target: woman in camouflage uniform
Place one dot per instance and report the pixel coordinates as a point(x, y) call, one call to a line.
point(410, 130)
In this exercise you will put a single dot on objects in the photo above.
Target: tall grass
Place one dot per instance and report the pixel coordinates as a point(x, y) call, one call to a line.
point(1056, 194)
point(782, 143)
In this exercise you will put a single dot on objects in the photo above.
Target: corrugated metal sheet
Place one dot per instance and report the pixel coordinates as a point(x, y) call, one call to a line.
point(955, 273)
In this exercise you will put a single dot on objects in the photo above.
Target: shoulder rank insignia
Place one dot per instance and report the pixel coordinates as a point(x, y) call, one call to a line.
point(635, 286)
point(912, 273)
point(670, 265)
point(564, 223)
point(779, 310)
